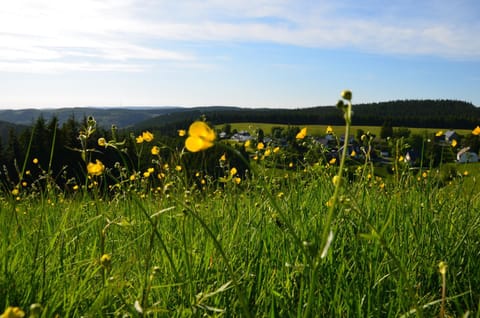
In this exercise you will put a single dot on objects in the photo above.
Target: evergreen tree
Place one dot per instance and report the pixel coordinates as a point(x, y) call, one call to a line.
point(386, 130)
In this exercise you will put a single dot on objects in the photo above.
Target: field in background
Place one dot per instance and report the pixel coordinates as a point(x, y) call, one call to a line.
point(319, 130)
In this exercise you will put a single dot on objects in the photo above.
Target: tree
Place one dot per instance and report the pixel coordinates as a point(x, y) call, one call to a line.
point(386, 130)
point(227, 128)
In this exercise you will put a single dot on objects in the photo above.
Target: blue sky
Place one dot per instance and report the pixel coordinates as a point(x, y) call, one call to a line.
point(261, 53)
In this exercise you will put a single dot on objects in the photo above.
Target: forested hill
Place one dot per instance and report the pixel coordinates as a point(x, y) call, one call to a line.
point(105, 116)
point(448, 114)
point(405, 113)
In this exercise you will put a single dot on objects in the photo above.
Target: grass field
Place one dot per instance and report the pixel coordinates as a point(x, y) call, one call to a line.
point(291, 240)
point(319, 130)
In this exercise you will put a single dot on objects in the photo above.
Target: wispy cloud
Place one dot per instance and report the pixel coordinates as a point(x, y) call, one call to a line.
point(69, 35)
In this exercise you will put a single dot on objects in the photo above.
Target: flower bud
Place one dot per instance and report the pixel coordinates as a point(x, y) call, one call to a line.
point(347, 94)
point(102, 142)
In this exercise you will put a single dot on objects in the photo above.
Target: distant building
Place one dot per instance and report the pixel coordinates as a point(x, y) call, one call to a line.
point(451, 135)
point(241, 136)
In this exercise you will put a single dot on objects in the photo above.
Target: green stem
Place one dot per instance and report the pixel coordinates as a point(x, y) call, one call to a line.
point(331, 209)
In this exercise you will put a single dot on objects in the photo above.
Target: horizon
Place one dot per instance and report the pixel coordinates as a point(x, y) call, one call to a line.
point(249, 54)
point(147, 107)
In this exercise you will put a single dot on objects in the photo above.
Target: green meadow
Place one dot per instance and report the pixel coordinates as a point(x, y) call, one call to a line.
point(319, 130)
point(274, 235)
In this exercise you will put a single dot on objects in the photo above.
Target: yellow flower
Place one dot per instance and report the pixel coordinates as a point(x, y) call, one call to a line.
point(336, 180)
point(178, 168)
point(105, 260)
point(290, 165)
point(465, 173)
point(267, 152)
point(353, 153)
point(476, 131)
point(233, 171)
point(24, 184)
point(237, 180)
point(329, 130)
point(346, 94)
point(35, 161)
point(181, 132)
point(332, 161)
point(27, 172)
point(75, 187)
point(400, 159)
point(147, 136)
point(13, 312)
point(155, 150)
point(260, 146)
point(15, 192)
point(302, 134)
point(139, 139)
point(132, 177)
point(247, 143)
point(454, 143)
point(102, 142)
point(146, 174)
point(95, 169)
point(439, 133)
point(200, 137)
point(276, 149)
point(424, 174)
point(223, 157)
point(151, 170)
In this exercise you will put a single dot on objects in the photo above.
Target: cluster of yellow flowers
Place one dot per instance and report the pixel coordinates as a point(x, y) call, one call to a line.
point(95, 169)
point(145, 136)
point(200, 137)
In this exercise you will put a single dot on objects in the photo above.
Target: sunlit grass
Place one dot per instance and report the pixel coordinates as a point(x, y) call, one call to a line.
point(319, 130)
point(210, 232)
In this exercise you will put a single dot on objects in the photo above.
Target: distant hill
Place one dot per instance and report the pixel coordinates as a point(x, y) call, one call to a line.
point(448, 114)
point(407, 113)
point(105, 117)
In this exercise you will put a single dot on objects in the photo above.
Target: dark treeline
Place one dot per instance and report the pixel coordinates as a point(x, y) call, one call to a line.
point(449, 114)
point(49, 153)
point(56, 150)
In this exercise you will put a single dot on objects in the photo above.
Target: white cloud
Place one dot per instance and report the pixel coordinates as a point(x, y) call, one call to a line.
point(113, 33)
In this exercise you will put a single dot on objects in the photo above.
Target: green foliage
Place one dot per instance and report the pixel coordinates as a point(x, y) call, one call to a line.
point(273, 229)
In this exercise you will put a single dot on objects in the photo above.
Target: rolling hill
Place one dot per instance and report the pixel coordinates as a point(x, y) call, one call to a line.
point(449, 114)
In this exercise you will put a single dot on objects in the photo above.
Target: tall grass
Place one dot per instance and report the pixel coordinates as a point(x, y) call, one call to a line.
point(251, 248)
